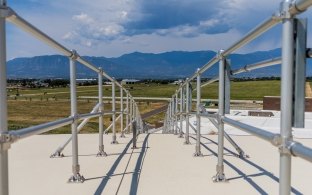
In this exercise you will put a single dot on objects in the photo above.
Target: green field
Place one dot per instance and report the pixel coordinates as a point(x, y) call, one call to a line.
point(247, 90)
point(35, 106)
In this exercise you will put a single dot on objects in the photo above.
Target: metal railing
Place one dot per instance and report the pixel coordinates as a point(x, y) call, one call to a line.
point(9, 137)
point(293, 77)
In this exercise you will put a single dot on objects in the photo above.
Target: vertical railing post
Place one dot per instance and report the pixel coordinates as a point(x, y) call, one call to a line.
point(172, 115)
point(165, 127)
point(76, 177)
point(114, 138)
point(220, 167)
point(134, 134)
point(101, 109)
point(176, 112)
point(131, 113)
point(127, 113)
point(227, 98)
point(197, 146)
point(187, 114)
point(137, 119)
point(167, 119)
point(4, 147)
point(181, 113)
point(286, 97)
point(300, 73)
point(122, 114)
point(134, 113)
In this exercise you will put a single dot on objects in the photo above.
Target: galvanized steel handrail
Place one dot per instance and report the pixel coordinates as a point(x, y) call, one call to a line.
point(8, 137)
point(42, 128)
point(261, 133)
point(290, 58)
point(247, 68)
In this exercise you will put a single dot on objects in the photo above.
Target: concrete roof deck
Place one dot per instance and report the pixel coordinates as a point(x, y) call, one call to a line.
point(161, 165)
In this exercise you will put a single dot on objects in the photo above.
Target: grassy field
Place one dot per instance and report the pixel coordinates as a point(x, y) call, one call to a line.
point(35, 106)
point(248, 90)
point(23, 114)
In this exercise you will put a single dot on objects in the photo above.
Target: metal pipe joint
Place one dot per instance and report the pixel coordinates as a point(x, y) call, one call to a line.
point(277, 140)
point(220, 55)
point(74, 55)
point(284, 9)
point(6, 12)
point(6, 140)
point(287, 147)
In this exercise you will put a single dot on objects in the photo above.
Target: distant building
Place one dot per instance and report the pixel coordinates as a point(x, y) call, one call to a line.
point(129, 81)
point(177, 82)
point(85, 80)
point(108, 83)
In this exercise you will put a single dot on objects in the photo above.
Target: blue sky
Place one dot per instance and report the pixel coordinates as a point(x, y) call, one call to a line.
point(114, 27)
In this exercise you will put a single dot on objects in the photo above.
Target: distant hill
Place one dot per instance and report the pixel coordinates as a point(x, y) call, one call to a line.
point(175, 64)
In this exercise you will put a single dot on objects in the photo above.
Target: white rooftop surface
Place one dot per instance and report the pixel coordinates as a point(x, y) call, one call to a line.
point(271, 124)
point(162, 165)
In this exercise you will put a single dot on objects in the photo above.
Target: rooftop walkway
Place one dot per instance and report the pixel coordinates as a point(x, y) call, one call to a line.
point(160, 165)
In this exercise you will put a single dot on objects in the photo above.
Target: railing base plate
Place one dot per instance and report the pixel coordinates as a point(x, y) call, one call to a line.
point(76, 179)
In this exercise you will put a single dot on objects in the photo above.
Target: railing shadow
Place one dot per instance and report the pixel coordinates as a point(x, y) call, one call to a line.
point(135, 174)
point(110, 173)
point(248, 178)
point(138, 167)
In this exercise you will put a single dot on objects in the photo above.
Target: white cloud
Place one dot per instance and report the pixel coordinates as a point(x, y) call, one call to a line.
point(83, 18)
point(101, 27)
point(209, 23)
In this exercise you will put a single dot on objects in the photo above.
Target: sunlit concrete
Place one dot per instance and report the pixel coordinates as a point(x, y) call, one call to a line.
point(162, 164)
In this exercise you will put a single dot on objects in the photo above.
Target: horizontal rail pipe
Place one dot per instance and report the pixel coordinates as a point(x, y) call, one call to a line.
point(42, 128)
point(89, 115)
point(299, 150)
point(265, 135)
point(17, 20)
point(263, 64)
point(214, 79)
point(247, 68)
point(253, 34)
point(23, 24)
point(92, 67)
point(299, 6)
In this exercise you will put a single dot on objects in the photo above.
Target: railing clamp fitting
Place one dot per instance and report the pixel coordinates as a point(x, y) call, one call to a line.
point(6, 12)
point(220, 55)
point(285, 148)
point(219, 118)
point(75, 117)
point(74, 55)
point(6, 139)
point(284, 10)
point(277, 140)
point(100, 70)
point(290, 145)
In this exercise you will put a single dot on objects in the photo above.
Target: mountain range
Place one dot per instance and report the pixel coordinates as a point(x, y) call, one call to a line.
point(175, 64)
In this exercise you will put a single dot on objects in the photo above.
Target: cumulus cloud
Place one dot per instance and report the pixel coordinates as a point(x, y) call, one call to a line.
point(182, 18)
point(193, 17)
point(170, 14)
point(118, 26)
point(89, 31)
point(212, 26)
